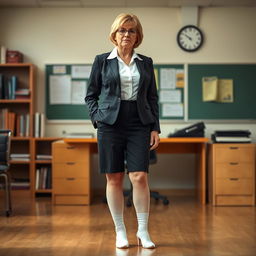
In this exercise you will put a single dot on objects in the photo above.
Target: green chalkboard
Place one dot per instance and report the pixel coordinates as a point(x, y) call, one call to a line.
point(79, 112)
point(244, 84)
point(64, 111)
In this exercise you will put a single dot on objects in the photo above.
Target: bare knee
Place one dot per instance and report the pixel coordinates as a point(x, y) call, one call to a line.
point(139, 178)
point(115, 179)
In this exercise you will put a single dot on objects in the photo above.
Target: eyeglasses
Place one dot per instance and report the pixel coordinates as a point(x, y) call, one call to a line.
point(123, 31)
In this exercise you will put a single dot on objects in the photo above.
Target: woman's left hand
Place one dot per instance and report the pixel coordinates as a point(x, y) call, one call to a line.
point(154, 140)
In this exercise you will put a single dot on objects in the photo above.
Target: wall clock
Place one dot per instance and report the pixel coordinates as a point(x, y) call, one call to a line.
point(190, 38)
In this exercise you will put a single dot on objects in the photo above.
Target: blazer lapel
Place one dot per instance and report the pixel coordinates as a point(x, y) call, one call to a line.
point(113, 64)
point(140, 66)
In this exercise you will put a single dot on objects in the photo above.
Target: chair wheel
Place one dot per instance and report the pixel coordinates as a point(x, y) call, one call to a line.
point(8, 213)
point(165, 201)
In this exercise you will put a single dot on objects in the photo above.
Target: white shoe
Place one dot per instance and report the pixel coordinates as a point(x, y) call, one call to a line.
point(121, 241)
point(145, 241)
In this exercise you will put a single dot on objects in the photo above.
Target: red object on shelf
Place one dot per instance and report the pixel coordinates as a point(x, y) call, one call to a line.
point(14, 57)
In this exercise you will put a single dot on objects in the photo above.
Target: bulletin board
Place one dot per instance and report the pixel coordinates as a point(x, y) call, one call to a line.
point(243, 106)
point(60, 106)
point(63, 103)
point(170, 85)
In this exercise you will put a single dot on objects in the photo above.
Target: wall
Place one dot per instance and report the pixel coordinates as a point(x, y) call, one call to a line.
point(72, 35)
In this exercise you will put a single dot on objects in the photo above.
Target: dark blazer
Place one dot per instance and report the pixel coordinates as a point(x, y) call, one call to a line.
point(103, 96)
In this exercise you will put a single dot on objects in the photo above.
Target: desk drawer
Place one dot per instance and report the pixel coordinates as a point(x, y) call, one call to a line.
point(70, 186)
point(234, 186)
point(234, 170)
point(234, 154)
point(69, 169)
point(63, 152)
point(234, 200)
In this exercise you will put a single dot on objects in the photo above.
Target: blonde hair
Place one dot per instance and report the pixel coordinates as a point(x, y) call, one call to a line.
point(120, 20)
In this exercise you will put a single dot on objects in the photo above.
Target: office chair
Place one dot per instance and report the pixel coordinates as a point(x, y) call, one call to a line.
point(5, 142)
point(153, 194)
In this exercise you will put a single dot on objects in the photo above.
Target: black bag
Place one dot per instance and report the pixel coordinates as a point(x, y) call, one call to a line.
point(195, 130)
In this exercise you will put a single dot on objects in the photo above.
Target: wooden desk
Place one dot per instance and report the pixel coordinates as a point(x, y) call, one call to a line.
point(170, 146)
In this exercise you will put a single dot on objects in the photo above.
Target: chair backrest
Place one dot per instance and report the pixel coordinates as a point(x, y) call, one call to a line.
point(5, 143)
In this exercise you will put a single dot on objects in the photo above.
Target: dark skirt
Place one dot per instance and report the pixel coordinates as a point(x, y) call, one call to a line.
point(126, 143)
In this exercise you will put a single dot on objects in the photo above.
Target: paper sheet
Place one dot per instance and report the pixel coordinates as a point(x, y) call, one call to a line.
point(59, 69)
point(180, 78)
point(172, 110)
point(156, 77)
point(225, 90)
point(219, 90)
point(170, 96)
point(60, 89)
point(210, 88)
point(167, 78)
point(80, 71)
point(78, 92)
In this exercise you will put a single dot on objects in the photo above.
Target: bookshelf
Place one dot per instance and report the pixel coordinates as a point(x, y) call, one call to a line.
point(17, 83)
point(41, 165)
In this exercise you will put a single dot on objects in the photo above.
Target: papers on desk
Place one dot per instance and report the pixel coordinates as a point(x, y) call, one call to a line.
point(79, 135)
point(231, 136)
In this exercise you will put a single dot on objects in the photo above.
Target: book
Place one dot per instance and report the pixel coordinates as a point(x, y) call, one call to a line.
point(37, 125)
point(14, 84)
point(1, 86)
point(42, 125)
point(43, 157)
point(3, 54)
point(43, 178)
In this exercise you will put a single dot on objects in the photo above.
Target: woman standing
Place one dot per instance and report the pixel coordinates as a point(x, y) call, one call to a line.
point(123, 104)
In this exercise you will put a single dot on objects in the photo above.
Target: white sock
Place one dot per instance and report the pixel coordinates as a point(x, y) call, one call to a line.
point(142, 233)
point(119, 223)
point(142, 222)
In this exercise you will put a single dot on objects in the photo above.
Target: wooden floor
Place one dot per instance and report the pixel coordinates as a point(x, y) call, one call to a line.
point(181, 228)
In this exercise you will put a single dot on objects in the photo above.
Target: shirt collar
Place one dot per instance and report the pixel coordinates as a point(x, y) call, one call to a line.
point(114, 54)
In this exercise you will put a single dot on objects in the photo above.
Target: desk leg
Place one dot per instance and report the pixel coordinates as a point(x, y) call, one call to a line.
point(201, 175)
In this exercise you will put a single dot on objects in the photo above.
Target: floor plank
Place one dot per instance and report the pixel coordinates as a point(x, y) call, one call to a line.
point(182, 228)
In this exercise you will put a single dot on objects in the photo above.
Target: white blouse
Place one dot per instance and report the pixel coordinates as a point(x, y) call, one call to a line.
point(129, 76)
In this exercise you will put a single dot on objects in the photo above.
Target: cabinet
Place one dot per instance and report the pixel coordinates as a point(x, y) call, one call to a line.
point(71, 178)
point(17, 81)
point(231, 176)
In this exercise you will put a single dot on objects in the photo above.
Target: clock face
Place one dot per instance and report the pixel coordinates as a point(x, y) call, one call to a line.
point(190, 38)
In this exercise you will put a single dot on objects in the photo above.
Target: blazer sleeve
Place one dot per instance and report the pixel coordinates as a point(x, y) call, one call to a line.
point(153, 99)
point(93, 90)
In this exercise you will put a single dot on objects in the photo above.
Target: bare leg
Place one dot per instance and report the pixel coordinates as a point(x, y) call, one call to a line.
point(115, 198)
point(141, 200)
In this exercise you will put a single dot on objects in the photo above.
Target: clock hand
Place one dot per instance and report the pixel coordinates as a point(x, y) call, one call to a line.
point(188, 37)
